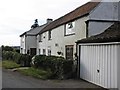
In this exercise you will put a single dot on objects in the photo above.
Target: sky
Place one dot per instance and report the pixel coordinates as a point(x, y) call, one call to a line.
point(17, 16)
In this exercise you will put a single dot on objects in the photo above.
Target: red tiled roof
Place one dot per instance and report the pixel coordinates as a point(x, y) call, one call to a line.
point(77, 13)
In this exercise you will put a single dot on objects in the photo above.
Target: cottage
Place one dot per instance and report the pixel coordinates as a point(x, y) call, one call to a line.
point(99, 58)
point(28, 39)
point(59, 37)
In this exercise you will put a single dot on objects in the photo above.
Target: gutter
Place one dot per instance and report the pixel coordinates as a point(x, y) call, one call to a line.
point(107, 43)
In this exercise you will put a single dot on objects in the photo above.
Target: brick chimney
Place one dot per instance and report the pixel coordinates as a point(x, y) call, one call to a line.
point(49, 20)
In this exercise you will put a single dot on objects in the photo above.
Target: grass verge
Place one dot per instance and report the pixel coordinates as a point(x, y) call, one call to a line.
point(9, 64)
point(37, 73)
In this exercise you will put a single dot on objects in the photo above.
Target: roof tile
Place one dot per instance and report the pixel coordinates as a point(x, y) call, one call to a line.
point(77, 13)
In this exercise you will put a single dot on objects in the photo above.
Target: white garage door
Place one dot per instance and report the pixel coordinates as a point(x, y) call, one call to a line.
point(98, 64)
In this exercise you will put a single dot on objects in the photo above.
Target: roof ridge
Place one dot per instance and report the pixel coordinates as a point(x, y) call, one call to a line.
point(76, 13)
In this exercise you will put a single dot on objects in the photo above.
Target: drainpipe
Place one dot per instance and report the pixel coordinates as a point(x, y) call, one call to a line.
point(78, 60)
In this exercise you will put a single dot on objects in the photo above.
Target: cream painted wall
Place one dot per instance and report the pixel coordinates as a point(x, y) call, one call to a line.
point(27, 42)
point(59, 38)
point(22, 44)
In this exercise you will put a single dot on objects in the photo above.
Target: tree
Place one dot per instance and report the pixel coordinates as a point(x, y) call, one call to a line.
point(35, 24)
point(7, 48)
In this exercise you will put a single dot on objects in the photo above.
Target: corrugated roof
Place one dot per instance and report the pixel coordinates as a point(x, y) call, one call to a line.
point(77, 13)
point(112, 34)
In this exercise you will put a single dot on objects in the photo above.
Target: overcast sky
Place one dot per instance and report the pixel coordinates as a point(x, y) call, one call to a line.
point(17, 16)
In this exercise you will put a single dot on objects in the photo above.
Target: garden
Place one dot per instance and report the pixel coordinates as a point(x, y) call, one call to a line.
point(39, 66)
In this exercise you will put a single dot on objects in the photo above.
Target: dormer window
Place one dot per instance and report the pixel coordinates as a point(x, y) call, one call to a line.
point(70, 28)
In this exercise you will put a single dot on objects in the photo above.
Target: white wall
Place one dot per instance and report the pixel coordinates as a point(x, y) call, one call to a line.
point(59, 38)
point(100, 57)
point(22, 44)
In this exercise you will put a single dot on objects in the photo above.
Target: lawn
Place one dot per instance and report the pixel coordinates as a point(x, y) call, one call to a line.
point(37, 73)
point(7, 64)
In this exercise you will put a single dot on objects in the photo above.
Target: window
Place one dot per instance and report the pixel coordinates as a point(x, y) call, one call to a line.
point(49, 35)
point(40, 38)
point(70, 28)
point(49, 52)
point(39, 51)
point(69, 52)
point(44, 52)
point(21, 50)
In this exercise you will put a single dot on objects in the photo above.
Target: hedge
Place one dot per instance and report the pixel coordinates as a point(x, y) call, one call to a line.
point(22, 59)
point(60, 67)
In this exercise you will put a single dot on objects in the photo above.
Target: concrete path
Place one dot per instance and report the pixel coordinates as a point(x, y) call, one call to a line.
point(16, 80)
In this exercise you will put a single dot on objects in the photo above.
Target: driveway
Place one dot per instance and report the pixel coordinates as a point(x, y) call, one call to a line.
point(16, 80)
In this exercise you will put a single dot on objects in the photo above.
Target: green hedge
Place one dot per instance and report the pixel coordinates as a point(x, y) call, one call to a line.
point(60, 67)
point(22, 59)
point(25, 60)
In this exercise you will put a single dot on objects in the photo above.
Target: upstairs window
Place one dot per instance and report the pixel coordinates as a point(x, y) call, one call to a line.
point(70, 28)
point(40, 38)
point(49, 35)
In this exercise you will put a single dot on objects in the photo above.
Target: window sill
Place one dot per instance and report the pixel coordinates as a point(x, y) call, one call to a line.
point(49, 39)
point(69, 34)
point(40, 41)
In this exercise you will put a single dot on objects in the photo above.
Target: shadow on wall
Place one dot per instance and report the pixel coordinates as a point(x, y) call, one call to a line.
point(84, 72)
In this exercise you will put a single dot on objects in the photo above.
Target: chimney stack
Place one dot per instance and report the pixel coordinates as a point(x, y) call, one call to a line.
point(49, 20)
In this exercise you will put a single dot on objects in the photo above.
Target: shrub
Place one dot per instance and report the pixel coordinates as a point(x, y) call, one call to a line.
point(25, 60)
point(22, 59)
point(7, 55)
point(59, 67)
point(16, 57)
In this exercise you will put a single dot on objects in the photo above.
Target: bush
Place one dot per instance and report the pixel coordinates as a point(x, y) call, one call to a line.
point(22, 59)
point(7, 55)
point(25, 60)
point(59, 67)
point(16, 57)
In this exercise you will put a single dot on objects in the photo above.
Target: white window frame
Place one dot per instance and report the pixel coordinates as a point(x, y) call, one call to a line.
point(70, 28)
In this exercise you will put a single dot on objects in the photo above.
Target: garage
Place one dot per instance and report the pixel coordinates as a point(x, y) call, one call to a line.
point(99, 58)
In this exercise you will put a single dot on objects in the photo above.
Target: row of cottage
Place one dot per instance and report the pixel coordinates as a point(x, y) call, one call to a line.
point(59, 37)
point(91, 31)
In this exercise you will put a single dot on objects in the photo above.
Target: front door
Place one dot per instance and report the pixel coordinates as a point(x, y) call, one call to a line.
point(69, 52)
point(32, 51)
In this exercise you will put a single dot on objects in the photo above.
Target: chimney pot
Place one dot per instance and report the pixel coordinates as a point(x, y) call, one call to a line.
point(49, 20)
